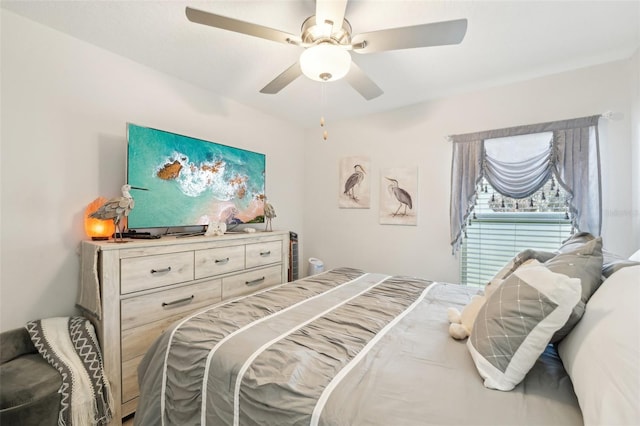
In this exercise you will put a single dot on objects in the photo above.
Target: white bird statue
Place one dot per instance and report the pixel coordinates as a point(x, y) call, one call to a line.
point(269, 213)
point(116, 208)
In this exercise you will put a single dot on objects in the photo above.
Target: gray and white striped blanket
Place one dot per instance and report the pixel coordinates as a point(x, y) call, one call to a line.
point(70, 345)
point(339, 348)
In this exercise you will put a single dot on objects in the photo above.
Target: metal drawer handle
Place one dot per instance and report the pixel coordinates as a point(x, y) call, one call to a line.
point(175, 302)
point(223, 261)
point(159, 271)
point(254, 282)
point(265, 253)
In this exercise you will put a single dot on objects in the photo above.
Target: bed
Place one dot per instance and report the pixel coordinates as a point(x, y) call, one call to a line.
point(347, 347)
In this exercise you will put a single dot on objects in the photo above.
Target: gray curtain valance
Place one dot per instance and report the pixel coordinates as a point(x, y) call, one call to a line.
point(572, 157)
point(518, 179)
point(575, 123)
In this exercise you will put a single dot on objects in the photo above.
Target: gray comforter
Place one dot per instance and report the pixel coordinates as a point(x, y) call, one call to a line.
point(340, 348)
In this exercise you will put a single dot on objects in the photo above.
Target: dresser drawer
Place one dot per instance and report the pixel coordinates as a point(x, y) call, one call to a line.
point(136, 341)
point(130, 387)
point(259, 254)
point(142, 273)
point(251, 281)
point(152, 307)
point(218, 261)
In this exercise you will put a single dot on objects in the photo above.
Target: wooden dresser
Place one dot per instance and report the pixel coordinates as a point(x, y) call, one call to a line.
point(146, 285)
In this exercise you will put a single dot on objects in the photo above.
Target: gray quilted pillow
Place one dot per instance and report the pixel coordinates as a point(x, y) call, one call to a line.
point(517, 321)
point(583, 262)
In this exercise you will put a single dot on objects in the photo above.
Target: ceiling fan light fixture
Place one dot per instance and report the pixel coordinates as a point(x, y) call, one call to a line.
point(325, 62)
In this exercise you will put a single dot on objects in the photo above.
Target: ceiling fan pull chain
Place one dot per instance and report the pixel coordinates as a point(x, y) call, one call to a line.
point(325, 134)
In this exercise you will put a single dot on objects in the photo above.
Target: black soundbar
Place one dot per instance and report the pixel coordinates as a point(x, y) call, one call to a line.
point(136, 235)
point(144, 237)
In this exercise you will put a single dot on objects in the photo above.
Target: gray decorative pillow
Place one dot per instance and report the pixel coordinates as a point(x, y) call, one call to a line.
point(517, 321)
point(583, 262)
point(575, 241)
point(612, 262)
point(519, 259)
point(609, 268)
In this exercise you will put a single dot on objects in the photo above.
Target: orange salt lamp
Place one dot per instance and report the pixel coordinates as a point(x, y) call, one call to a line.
point(97, 229)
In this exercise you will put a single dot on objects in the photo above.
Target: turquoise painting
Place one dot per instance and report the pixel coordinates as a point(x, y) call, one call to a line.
point(192, 181)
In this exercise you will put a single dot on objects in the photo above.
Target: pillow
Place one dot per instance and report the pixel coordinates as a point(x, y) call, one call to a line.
point(516, 323)
point(601, 353)
point(635, 256)
point(583, 262)
point(575, 241)
point(612, 262)
point(518, 260)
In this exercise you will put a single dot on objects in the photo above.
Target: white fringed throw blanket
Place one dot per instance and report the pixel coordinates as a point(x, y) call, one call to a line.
point(70, 345)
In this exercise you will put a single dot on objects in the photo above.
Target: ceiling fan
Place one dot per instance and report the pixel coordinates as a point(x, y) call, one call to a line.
point(327, 40)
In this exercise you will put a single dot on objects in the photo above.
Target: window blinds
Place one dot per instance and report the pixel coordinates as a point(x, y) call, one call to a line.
point(491, 241)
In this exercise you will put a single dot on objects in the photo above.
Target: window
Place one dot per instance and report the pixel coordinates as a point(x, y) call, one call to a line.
point(500, 227)
point(518, 162)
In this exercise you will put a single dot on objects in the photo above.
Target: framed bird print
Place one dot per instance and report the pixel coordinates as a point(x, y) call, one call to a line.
point(399, 196)
point(354, 190)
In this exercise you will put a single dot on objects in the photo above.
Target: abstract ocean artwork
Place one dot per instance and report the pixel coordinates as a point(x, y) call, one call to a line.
point(192, 181)
point(398, 196)
point(354, 183)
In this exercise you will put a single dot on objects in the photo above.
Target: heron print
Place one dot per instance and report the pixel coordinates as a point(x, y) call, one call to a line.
point(398, 189)
point(354, 183)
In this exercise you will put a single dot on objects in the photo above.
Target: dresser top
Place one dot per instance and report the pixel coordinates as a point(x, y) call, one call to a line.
point(179, 240)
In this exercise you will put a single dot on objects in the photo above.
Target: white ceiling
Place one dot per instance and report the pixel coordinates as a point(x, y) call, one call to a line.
point(506, 41)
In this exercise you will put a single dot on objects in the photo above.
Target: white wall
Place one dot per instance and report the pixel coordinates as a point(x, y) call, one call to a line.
point(64, 108)
point(415, 137)
point(635, 142)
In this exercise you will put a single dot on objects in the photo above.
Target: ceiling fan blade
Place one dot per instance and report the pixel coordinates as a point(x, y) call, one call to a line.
point(331, 10)
point(281, 81)
point(235, 25)
point(362, 83)
point(425, 35)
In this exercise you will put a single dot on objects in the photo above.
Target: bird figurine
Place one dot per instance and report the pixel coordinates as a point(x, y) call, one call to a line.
point(401, 195)
point(355, 179)
point(117, 208)
point(269, 213)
